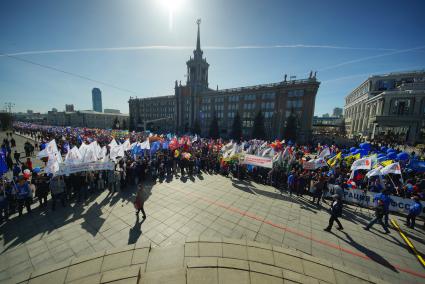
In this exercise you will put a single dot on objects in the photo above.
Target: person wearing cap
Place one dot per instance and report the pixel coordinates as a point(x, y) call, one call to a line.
point(414, 211)
point(336, 212)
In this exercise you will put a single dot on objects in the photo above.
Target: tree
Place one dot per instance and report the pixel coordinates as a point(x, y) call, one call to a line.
point(236, 133)
point(342, 130)
point(291, 127)
point(196, 129)
point(116, 123)
point(124, 124)
point(5, 120)
point(214, 132)
point(258, 130)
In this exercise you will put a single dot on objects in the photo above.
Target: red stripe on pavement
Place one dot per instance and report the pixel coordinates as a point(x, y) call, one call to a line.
point(300, 234)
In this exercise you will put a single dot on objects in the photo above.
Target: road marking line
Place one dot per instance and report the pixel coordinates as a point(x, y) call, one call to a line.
point(408, 242)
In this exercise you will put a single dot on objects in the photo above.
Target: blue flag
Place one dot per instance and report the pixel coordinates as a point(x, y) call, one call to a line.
point(3, 165)
point(417, 166)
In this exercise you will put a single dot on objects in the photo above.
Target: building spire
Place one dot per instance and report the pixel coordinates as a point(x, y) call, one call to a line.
point(198, 40)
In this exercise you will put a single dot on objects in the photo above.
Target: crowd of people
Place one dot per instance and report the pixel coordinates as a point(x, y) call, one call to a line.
point(187, 156)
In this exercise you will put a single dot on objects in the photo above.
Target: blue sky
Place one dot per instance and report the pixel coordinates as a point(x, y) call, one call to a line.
point(345, 41)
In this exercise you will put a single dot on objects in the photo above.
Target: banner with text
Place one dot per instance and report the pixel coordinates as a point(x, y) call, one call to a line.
point(257, 161)
point(365, 199)
point(66, 169)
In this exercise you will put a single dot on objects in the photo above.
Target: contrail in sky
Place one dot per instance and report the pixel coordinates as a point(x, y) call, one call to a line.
point(182, 47)
point(370, 57)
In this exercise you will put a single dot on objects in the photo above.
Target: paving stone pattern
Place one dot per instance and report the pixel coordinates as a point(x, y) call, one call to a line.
point(188, 263)
point(203, 207)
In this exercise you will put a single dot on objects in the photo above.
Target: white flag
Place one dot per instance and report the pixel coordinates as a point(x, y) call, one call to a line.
point(73, 156)
point(392, 169)
point(325, 152)
point(362, 164)
point(375, 172)
point(145, 145)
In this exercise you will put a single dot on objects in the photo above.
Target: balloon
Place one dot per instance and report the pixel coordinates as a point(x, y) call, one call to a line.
point(36, 170)
point(391, 156)
point(365, 146)
point(381, 159)
point(390, 150)
point(384, 149)
point(381, 155)
point(363, 152)
point(26, 175)
point(353, 149)
point(403, 156)
point(27, 171)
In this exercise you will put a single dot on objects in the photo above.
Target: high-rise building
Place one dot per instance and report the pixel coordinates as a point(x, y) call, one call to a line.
point(195, 104)
point(337, 112)
point(69, 108)
point(97, 99)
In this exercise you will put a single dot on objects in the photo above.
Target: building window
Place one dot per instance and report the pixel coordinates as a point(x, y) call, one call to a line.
point(267, 105)
point(268, 96)
point(249, 97)
point(249, 106)
point(294, 104)
point(234, 99)
point(295, 93)
point(401, 106)
point(219, 100)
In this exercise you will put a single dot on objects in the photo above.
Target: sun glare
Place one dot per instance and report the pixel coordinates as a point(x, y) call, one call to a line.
point(172, 6)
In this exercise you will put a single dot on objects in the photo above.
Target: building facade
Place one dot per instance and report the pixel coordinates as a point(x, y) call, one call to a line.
point(69, 108)
point(96, 96)
point(388, 105)
point(196, 104)
point(111, 110)
point(87, 118)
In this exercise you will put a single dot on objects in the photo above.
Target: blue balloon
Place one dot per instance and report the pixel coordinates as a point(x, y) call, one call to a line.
point(381, 155)
point(36, 170)
point(366, 146)
point(403, 156)
point(353, 149)
point(390, 150)
point(384, 149)
point(363, 152)
point(391, 156)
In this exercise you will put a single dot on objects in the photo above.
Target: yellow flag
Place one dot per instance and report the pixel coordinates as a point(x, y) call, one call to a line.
point(386, 163)
point(334, 160)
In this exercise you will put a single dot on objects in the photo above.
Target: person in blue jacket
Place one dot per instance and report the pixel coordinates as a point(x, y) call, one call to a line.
point(414, 211)
point(23, 195)
point(386, 199)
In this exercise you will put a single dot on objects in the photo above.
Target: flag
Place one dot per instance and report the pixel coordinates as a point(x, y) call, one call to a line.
point(375, 172)
point(392, 169)
point(386, 163)
point(362, 164)
point(3, 165)
point(145, 145)
point(417, 166)
point(73, 156)
point(325, 152)
point(334, 160)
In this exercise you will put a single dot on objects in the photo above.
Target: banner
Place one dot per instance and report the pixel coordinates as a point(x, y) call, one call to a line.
point(358, 196)
point(257, 161)
point(314, 164)
point(66, 169)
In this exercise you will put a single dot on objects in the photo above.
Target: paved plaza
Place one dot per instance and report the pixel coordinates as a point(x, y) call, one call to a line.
point(206, 207)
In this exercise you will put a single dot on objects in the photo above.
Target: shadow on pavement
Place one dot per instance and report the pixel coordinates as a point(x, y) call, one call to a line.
point(369, 253)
